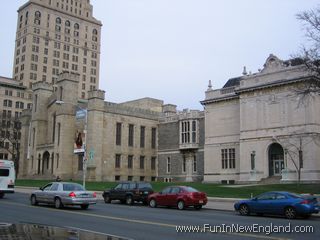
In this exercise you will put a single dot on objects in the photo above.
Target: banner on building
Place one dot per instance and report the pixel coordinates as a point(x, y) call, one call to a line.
point(79, 138)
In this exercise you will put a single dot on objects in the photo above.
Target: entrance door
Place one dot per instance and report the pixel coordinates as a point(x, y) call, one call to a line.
point(276, 159)
point(278, 165)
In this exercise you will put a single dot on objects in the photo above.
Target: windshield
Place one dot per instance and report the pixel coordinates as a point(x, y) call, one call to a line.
point(72, 187)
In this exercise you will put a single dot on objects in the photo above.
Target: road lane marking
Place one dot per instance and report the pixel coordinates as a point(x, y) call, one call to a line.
point(141, 221)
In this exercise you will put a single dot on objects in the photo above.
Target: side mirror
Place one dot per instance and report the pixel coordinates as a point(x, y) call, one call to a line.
point(41, 188)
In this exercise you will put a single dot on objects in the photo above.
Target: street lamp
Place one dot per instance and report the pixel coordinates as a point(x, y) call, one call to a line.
point(84, 161)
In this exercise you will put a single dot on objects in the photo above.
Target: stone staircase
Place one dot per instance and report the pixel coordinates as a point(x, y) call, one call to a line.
point(271, 180)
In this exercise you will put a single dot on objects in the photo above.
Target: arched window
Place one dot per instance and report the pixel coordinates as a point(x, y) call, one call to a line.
point(21, 18)
point(67, 23)
point(27, 14)
point(37, 17)
point(76, 26)
point(94, 35)
point(37, 14)
point(58, 20)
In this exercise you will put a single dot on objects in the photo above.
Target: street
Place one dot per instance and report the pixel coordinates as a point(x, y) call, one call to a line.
point(141, 222)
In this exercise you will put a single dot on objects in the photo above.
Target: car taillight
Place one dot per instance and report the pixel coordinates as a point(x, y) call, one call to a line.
point(72, 194)
point(305, 202)
point(94, 194)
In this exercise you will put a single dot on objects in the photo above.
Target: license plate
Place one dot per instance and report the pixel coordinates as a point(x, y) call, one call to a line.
point(200, 201)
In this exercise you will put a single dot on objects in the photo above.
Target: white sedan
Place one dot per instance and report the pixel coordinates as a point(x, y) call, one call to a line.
point(62, 194)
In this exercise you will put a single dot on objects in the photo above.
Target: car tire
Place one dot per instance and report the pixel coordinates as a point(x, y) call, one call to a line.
point(153, 203)
point(198, 207)
point(57, 203)
point(1, 195)
point(107, 199)
point(84, 206)
point(129, 200)
point(290, 213)
point(33, 200)
point(244, 210)
point(180, 205)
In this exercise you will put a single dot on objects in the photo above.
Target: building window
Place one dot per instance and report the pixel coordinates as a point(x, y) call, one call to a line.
point(130, 178)
point(184, 164)
point(118, 161)
point(130, 136)
point(153, 138)
point(153, 163)
point(194, 131)
point(195, 164)
point(53, 127)
point(168, 165)
point(142, 136)
point(142, 162)
point(117, 178)
point(130, 161)
point(59, 128)
point(118, 134)
point(228, 158)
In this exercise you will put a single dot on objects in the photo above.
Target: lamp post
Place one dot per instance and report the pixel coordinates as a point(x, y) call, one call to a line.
point(84, 161)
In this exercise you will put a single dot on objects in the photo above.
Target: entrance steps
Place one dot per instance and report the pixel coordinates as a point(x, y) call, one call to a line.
point(271, 180)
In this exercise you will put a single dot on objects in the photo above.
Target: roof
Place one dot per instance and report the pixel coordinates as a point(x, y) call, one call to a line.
point(232, 82)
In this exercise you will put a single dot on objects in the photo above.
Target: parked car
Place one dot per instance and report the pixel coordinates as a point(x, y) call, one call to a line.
point(7, 177)
point(62, 194)
point(129, 192)
point(288, 204)
point(178, 196)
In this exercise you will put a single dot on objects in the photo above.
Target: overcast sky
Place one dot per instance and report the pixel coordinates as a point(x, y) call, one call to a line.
point(169, 49)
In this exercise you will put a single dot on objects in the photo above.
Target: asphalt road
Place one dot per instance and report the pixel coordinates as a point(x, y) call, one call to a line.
point(140, 222)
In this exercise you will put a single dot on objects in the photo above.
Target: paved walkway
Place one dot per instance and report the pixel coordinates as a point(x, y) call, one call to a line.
point(223, 204)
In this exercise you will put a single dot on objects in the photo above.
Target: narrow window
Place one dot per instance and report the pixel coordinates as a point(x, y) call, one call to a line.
point(131, 133)
point(142, 136)
point(153, 137)
point(118, 134)
point(118, 161)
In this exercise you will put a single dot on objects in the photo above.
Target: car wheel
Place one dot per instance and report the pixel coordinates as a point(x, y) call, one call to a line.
point(244, 209)
point(290, 213)
point(1, 195)
point(129, 200)
point(181, 205)
point(33, 200)
point(107, 199)
point(198, 207)
point(84, 206)
point(57, 203)
point(153, 203)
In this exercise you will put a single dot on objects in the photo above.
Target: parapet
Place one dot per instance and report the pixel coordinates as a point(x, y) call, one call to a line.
point(42, 86)
point(99, 94)
point(67, 76)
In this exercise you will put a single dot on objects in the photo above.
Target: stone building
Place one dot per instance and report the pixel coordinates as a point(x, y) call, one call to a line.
point(259, 126)
point(181, 143)
point(54, 36)
point(121, 141)
point(13, 99)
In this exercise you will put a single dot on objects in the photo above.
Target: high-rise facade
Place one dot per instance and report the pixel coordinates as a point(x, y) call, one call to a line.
point(55, 36)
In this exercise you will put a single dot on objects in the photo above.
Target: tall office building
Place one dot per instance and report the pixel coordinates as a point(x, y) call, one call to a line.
point(55, 36)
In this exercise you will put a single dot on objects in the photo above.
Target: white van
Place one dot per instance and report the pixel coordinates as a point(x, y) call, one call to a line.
point(7, 177)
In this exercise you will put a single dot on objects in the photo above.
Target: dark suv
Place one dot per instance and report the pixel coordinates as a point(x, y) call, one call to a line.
point(128, 192)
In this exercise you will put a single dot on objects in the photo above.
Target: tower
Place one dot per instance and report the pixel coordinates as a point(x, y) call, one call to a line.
point(55, 36)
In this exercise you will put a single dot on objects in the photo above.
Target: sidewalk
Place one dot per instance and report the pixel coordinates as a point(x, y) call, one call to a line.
point(214, 203)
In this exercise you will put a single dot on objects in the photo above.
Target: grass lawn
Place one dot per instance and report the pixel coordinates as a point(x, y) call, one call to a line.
point(212, 190)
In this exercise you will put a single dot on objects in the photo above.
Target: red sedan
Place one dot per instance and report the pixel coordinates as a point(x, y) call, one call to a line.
point(178, 196)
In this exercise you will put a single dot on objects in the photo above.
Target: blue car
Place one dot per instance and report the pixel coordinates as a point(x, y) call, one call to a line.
point(288, 204)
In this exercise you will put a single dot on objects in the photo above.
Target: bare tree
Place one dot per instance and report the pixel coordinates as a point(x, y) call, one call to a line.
point(10, 135)
point(311, 52)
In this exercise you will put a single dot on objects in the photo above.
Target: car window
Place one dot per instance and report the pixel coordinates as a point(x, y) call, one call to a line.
point(145, 185)
point(118, 187)
point(47, 187)
point(293, 195)
point(132, 185)
point(72, 187)
point(54, 187)
point(166, 190)
point(280, 196)
point(267, 196)
point(191, 189)
point(125, 186)
point(175, 190)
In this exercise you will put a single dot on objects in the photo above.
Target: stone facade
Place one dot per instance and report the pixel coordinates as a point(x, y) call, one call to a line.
point(54, 36)
point(181, 142)
point(259, 126)
point(50, 130)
